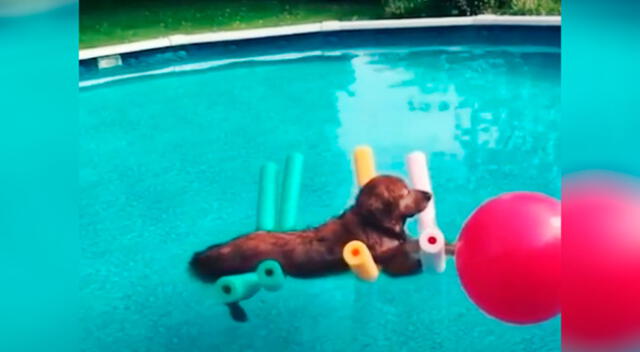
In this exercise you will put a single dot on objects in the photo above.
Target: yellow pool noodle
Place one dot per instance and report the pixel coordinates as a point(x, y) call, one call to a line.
point(365, 164)
point(359, 259)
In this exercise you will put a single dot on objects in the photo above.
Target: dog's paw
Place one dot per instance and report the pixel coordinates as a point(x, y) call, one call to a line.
point(237, 313)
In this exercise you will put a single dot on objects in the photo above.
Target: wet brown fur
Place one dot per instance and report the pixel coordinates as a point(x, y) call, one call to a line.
point(377, 218)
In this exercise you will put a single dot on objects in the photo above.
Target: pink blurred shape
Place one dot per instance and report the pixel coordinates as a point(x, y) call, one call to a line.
point(601, 261)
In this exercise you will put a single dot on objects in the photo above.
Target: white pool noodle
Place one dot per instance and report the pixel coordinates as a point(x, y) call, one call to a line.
point(432, 254)
point(431, 240)
point(419, 176)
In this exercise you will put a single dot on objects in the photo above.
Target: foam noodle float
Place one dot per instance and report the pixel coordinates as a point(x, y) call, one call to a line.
point(267, 197)
point(270, 275)
point(365, 164)
point(360, 260)
point(431, 240)
point(432, 251)
point(290, 191)
point(508, 257)
point(236, 288)
point(279, 214)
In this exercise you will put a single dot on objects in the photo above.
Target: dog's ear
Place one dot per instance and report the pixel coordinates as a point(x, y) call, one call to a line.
point(370, 201)
point(380, 211)
point(370, 204)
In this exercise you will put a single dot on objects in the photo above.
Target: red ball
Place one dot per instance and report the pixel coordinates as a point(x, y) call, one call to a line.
point(601, 256)
point(508, 257)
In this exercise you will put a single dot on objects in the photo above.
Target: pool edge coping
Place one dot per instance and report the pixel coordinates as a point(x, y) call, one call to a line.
point(318, 27)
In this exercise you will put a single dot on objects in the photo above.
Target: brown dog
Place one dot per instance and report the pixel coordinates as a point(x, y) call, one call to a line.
point(377, 219)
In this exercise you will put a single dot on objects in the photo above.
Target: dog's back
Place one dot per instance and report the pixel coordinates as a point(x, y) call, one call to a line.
point(377, 218)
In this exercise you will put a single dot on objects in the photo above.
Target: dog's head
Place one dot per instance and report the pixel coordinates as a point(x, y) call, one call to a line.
point(387, 201)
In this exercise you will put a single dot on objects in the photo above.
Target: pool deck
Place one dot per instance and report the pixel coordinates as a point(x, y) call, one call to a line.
point(326, 26)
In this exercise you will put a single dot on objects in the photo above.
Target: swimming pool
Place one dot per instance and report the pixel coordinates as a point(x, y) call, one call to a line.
point(169, 164)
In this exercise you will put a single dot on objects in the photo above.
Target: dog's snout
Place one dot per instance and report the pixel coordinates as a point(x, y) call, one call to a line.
point(427, 195)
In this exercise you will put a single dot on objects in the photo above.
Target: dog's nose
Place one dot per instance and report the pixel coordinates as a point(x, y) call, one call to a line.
point(427, 195)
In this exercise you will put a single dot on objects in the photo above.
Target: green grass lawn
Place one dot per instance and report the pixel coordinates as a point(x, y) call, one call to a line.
point(104, 22)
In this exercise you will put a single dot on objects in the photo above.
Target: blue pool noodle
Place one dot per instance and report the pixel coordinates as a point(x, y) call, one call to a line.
point(290, 191)
point(267, 197)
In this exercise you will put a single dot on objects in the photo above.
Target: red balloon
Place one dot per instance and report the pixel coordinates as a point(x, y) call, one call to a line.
point(601, 257)
point(508, 257)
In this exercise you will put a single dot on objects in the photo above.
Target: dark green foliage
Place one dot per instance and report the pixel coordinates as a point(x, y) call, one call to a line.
point(472, 7)
point(105, 22)
point(435, 8)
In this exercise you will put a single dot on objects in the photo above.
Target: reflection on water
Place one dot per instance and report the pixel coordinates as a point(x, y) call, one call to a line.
point(381, 93)
point(482, 115)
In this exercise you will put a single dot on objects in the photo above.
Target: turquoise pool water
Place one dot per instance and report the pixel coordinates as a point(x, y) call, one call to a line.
point(169, 164)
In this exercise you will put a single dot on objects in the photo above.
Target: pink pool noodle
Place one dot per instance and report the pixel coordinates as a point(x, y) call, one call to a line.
point(432, 242)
